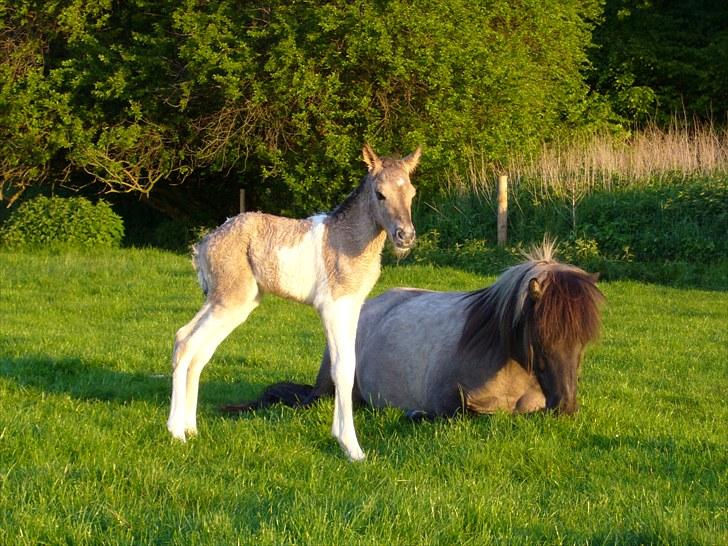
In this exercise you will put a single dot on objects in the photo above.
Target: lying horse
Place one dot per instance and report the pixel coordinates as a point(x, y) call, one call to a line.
point(515, 346)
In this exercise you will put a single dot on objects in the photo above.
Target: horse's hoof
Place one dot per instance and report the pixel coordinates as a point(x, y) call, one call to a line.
point(353, 453)
point(177, 433)
point(357, 456)
point(179, 437)
point(417, 416)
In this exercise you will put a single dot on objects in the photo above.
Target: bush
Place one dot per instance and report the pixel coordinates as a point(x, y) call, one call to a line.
point(680, 227)
point(53, 222)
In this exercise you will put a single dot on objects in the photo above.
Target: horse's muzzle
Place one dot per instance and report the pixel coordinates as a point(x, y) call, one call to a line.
point(404, 237)
point(566, 407)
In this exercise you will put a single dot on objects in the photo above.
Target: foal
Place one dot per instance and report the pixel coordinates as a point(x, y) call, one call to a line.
point(328, 261)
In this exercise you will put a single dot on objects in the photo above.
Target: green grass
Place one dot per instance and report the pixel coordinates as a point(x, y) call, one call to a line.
point(85, 458)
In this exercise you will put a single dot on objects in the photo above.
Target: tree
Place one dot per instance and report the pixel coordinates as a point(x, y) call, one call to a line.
point(279, 97)
point(655, 58)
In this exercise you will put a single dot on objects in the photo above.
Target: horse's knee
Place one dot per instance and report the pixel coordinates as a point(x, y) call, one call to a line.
point(531, 401)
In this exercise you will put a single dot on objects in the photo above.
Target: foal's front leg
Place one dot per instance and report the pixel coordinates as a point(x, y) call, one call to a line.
point(340, 319)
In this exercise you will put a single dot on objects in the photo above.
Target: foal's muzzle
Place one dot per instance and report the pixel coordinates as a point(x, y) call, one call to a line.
point(404, 237)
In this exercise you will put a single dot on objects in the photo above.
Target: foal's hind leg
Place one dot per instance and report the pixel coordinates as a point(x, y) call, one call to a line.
point(194, 346)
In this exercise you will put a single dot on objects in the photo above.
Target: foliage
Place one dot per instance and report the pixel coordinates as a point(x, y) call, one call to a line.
point(279, 98)
point(603, 231)
point(56, 221)
point(655, 58)
point(86, 458)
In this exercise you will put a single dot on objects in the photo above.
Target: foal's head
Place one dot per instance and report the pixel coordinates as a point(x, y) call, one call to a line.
point(390, 192)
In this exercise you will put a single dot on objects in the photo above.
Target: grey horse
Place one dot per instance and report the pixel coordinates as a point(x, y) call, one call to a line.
point(515, 346)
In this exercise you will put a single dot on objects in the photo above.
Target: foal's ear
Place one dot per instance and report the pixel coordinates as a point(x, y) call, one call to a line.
point(371, 158)
point(534, 289)
point(410, 162)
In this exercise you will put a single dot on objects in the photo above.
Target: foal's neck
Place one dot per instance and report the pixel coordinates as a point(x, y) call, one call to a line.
point(354, 230)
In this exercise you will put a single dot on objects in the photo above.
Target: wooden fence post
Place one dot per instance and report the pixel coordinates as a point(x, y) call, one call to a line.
point(242, 200)
point(502, 209)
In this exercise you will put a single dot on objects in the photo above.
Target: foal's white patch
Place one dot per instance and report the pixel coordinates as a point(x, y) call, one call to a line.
point(400, 182)
point(300, 267)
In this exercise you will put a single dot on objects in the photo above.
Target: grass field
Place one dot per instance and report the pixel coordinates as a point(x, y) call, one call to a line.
point(85, 458)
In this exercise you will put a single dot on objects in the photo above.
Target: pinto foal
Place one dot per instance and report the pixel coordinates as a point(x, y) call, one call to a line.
point(328, 261)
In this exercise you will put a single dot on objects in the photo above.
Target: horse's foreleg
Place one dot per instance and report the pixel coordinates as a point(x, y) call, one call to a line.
point(340, 321)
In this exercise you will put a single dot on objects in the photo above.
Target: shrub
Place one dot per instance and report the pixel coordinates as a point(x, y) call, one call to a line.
point(57, 221)
point(607, 231)
point(278, 98)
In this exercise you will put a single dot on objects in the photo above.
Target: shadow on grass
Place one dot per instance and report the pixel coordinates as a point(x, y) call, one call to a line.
point(85, 380)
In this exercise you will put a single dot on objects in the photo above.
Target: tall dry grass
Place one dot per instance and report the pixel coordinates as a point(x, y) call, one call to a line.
point(606, 162)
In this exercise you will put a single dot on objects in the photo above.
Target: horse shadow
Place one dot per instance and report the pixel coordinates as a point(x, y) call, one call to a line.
point(88, 380)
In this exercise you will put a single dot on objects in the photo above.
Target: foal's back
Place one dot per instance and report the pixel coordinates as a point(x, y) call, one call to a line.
point(281, 255)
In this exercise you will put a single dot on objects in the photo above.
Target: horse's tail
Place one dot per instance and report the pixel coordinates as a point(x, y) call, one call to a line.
point(199, 261)
point(289, 394)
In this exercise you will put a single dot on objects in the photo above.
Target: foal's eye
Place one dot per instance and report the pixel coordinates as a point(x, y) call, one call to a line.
point(380, 196)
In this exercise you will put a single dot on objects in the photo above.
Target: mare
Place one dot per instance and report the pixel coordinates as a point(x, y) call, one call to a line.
point(514, 346)
point(330, 262)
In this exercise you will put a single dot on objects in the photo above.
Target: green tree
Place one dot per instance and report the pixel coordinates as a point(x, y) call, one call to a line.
point(655, 58)
point(278, 98)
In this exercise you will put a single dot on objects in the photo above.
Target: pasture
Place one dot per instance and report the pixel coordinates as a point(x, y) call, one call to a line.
point(85, 457)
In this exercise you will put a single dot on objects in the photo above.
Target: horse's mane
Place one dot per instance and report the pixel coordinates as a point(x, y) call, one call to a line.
point(349, 201)
point(567, 309)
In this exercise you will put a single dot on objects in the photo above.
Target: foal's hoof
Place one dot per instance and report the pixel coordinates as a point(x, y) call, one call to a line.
point(354, 454)
point(177, 433)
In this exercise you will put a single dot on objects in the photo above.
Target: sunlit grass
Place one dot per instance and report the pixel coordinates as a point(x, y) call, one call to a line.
point(85, 458)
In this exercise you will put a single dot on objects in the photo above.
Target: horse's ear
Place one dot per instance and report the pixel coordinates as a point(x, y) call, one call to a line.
point(411, 161)
point(594, 277)
point(534, 289)
point(371, 159)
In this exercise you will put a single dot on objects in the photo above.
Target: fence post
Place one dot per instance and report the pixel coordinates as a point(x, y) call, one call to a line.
point(242, 200)
point(502, 209)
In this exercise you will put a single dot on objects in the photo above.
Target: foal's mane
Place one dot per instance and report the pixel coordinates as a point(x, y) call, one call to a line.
point(565, 311)
point(350, 199)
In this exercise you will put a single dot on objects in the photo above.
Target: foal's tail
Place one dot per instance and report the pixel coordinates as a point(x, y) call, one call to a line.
point(199, 261)
point(288, 394)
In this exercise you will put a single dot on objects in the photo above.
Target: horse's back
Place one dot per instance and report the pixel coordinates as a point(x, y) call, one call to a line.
point(281, 255)
point(405, 342)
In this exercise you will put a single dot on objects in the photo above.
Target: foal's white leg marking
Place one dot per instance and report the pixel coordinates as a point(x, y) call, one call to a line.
point(215, 327)
point(194, 345)
point(340, 318)
point(181, 357)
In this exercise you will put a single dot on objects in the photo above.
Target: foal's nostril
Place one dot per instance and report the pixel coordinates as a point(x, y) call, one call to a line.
point(405, 237)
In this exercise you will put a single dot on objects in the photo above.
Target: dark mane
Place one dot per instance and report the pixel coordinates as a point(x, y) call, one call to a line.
point(567, 309)
point(350, 199)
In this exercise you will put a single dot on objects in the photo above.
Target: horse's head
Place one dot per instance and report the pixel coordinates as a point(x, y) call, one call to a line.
point(564, 318)
point(391, 194)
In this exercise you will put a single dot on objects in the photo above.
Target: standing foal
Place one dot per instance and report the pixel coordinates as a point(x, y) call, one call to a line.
point(328, 261)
